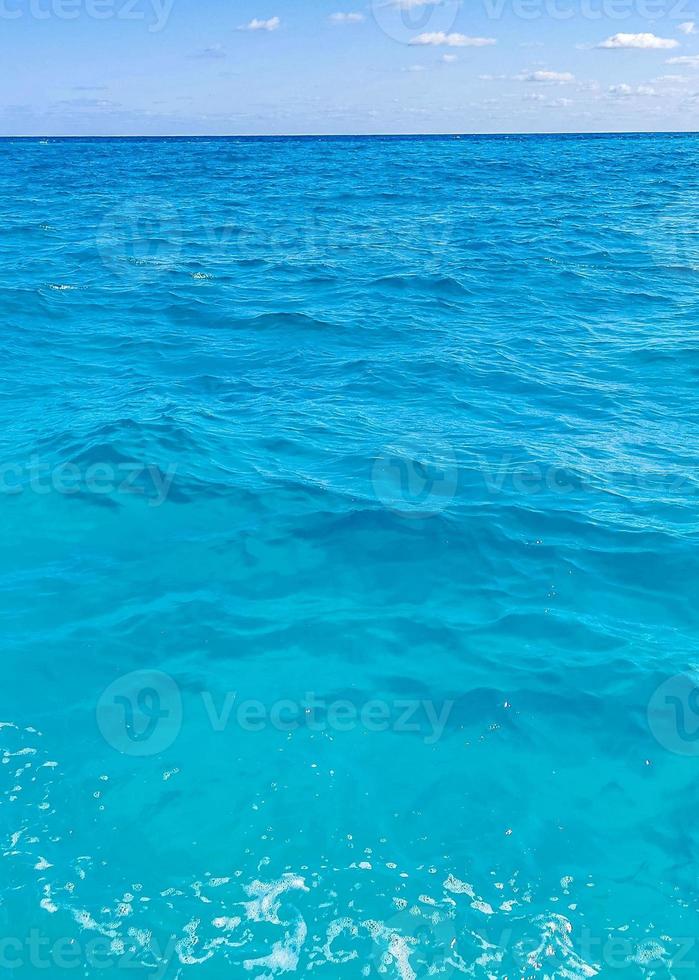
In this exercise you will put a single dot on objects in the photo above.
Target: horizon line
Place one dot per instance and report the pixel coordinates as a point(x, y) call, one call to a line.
point(339, 136)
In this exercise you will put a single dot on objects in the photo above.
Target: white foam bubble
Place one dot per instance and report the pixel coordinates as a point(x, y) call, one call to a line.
point(398, 947)
point(458, 887)
point(284, 957)
point(334, 930)
point(185, 947)
point(227, 923)
point(265, 906)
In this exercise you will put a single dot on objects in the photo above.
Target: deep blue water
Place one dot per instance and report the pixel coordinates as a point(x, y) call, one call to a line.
point(349, 540)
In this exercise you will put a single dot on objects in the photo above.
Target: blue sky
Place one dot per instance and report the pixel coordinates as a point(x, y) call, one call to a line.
point(110, 67)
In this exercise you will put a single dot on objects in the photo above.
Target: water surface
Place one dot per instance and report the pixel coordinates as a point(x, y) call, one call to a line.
point(349, 529)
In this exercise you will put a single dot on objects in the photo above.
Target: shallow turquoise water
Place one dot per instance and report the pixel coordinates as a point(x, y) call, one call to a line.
point(349, 533)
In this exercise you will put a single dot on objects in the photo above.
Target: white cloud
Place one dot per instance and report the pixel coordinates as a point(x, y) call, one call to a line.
point(645, 42)
point(449, 58)
point(546, 76)
point(559, 103)
point(262, 25)
point(533, 97)
point(625, 90)
point(691, 60)
point(453, 40)
point(688, 27)
point(415, 68)
point(350, 18)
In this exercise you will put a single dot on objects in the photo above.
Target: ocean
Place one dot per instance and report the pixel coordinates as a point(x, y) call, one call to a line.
point(349, 533)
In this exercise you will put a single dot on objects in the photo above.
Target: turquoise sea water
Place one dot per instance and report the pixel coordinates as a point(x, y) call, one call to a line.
point(349, 539)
